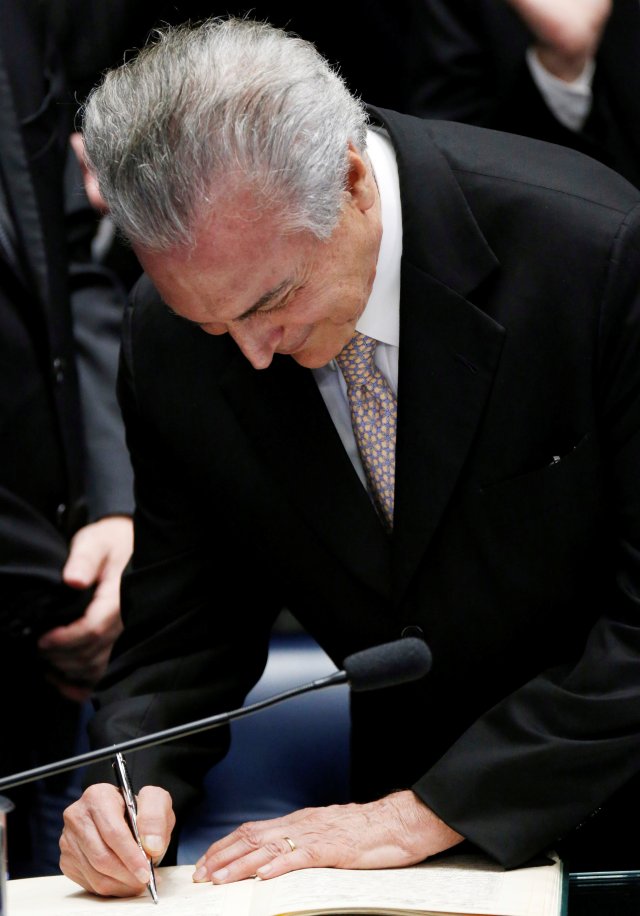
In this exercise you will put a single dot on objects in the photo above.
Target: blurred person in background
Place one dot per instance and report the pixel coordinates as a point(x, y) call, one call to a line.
point(565, 71)
point(65, 478)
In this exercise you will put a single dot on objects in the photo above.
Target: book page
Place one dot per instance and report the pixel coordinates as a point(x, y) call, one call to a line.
point(58, 896)
point(459, 884)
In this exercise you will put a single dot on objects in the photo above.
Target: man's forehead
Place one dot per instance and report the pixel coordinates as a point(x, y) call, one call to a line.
point(239, 210)
point(233, 270)
point(221, 239)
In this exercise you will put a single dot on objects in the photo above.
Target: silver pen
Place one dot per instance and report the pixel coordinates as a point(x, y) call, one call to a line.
point(122, 774)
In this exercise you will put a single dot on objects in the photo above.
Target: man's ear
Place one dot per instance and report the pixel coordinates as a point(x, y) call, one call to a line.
point(361, 184)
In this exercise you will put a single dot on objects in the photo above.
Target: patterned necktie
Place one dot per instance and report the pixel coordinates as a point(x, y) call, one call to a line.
point(374, 414)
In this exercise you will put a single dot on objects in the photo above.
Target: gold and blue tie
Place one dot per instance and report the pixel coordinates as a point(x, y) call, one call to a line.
point(374, 414)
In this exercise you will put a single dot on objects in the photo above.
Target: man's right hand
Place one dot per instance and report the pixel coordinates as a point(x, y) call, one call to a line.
point(97, 848)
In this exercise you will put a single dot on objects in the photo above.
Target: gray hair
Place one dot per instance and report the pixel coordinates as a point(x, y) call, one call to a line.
point(226, 104)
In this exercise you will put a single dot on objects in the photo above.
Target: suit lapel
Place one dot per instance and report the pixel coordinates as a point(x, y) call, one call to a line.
point(449, 349)
point(283, 412)
point(449, 352)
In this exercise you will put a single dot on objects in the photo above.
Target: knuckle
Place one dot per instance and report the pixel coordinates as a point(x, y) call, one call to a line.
point(96, 813)
point(157, 792)
point(312, 855)
point(70, 817)
point(276, 848)
point(249, 834)
point(101, 860)
point(93, 793)
point(103, 885)
point(110, 834)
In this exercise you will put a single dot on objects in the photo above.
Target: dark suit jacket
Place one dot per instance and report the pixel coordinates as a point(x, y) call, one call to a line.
point(517, 513)
point(469, 65)
point(62, 454)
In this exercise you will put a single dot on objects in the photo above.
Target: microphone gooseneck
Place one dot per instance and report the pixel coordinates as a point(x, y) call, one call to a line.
point(387, 665)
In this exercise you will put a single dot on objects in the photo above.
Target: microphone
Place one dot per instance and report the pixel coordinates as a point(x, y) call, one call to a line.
point(386, 665)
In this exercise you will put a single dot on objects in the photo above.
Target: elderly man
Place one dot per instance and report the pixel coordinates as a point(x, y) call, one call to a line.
point(385, 373)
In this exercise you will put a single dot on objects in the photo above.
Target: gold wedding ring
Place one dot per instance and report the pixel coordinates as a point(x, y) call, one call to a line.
point(288, 840)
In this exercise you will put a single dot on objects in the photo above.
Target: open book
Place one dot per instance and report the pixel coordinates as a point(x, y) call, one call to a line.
point(454, 885)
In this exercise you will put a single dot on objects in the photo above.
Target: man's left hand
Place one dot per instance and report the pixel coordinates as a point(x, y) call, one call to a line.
point(396, 830)
point(80, 651)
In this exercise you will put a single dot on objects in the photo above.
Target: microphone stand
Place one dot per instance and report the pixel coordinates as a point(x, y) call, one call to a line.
point(387, 665)
point(167, 734)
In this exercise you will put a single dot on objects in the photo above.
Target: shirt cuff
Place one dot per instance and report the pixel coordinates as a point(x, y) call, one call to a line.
point(569, 102)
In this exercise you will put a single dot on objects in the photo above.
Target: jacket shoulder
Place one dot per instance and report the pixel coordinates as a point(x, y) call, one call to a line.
point(474, 153)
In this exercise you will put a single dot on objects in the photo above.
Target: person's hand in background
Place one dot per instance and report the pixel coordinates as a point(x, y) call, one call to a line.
point(79, 652)
point(567, 32)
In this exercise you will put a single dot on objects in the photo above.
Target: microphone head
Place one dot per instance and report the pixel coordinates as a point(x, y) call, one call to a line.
point(388, 665)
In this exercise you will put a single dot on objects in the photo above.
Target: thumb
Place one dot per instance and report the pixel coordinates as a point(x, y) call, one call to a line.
point(156, 821)
point(85, 560)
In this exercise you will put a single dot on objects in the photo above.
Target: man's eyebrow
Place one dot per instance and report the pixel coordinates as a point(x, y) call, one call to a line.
point(265, 299)
point(175, 314)
point(257, 305)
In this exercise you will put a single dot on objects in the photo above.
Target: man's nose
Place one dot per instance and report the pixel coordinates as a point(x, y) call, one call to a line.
point(258, 345)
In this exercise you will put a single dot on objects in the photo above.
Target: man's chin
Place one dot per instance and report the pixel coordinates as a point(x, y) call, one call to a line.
point(309, 360)
point(313, 357)
point(316, 356)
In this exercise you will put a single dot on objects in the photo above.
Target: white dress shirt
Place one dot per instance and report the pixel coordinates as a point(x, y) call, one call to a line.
point(569, 102)
point(381, 317)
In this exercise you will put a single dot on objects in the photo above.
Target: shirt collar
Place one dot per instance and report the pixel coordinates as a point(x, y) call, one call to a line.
point(381, 317)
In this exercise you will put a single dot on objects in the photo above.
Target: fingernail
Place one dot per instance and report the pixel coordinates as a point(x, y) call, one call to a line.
point(264, 870)
point(220, 875)
point(153, 844)
point(200, 874)
point(142, 874)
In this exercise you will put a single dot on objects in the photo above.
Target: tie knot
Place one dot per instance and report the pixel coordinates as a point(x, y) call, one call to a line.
point(356, 359)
